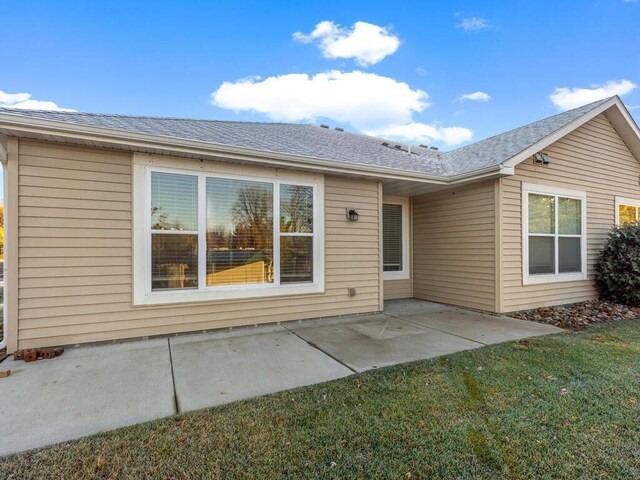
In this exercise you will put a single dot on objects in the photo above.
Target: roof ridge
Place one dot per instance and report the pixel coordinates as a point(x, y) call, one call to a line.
point(154, 117)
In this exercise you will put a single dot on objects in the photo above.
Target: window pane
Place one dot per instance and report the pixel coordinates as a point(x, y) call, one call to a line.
point(296, 209)
point(541, 255)
point(174, 201)
point(569, 216)
point(296, 259)
point(392, 237)
point(569, 257)
point(541, 213)
point(174, 261)
point(627, 214)
point(239, 232)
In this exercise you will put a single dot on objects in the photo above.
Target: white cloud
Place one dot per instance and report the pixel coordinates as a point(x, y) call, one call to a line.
point(473, 24)
point(24, 101)
point(568, 98)
point(475, 97)
point(368, 44)
point(371, 103)
point(11, 98)
point(360, 98)
point(424, 133)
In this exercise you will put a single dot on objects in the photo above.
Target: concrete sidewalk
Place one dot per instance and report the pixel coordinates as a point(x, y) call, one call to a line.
point(94, 389)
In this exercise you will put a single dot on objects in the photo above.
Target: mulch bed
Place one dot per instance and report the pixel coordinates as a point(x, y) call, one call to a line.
point(577, 316)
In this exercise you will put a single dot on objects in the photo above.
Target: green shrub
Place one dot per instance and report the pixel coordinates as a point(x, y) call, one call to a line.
point(618, 266)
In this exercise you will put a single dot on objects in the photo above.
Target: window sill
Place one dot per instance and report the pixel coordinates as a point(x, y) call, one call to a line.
point(553, 278)
point(402, 275)
point(228, 293)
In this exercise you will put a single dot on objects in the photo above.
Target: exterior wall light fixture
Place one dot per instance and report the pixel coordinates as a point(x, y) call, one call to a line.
point(541, 159)
point(352, 215)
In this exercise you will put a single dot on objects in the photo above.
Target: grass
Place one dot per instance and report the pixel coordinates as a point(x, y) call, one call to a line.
point(563, 406)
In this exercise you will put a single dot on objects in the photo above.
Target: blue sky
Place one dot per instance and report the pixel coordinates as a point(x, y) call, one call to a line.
point(401, 71)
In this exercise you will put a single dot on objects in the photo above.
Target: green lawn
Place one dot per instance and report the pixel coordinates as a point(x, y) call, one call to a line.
point(563, 406)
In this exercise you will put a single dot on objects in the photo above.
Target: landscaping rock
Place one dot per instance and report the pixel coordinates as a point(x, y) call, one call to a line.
point(579, 315)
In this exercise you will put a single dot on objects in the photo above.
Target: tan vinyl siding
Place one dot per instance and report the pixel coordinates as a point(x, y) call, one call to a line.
point(75, 255)
point(593, 159)
point(454, 246)
point(395, 289)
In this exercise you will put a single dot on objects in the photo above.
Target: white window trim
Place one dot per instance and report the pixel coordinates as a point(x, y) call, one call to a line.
point(536, 279)
point(625, 201)
point(142, 293)
point(405, 273)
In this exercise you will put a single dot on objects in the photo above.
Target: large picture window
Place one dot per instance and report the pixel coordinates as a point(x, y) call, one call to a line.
point(554, 224)
point(239, 232)
point(218, 236)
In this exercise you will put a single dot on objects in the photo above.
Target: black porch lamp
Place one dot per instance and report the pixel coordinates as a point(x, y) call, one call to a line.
point(352, 215)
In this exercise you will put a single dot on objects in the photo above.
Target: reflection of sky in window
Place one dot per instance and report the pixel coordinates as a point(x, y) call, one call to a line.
point(174, 201)
point(250, 199)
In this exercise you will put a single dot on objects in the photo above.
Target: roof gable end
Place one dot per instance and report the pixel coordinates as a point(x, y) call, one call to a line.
point(614, 110)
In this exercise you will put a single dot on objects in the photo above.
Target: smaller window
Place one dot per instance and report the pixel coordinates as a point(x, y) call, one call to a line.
point(392, 220)
point(627, 211)
point(395, 239)
point(174, 231)
point(296, 234)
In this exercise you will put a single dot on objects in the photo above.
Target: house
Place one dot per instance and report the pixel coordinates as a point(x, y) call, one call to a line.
point(123, 227)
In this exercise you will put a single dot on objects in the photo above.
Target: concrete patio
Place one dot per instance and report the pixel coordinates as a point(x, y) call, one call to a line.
point(99, 388)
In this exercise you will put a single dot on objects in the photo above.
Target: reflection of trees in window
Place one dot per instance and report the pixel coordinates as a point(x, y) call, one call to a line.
point(253, 218)
point(296, 233)
point(239, 232)
point(541, 213)
point(628, 214)
point(296, 209)
point(158, 219)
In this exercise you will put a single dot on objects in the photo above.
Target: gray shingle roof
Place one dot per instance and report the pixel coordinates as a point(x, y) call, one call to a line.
point(500, 148)
point(328, 144)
